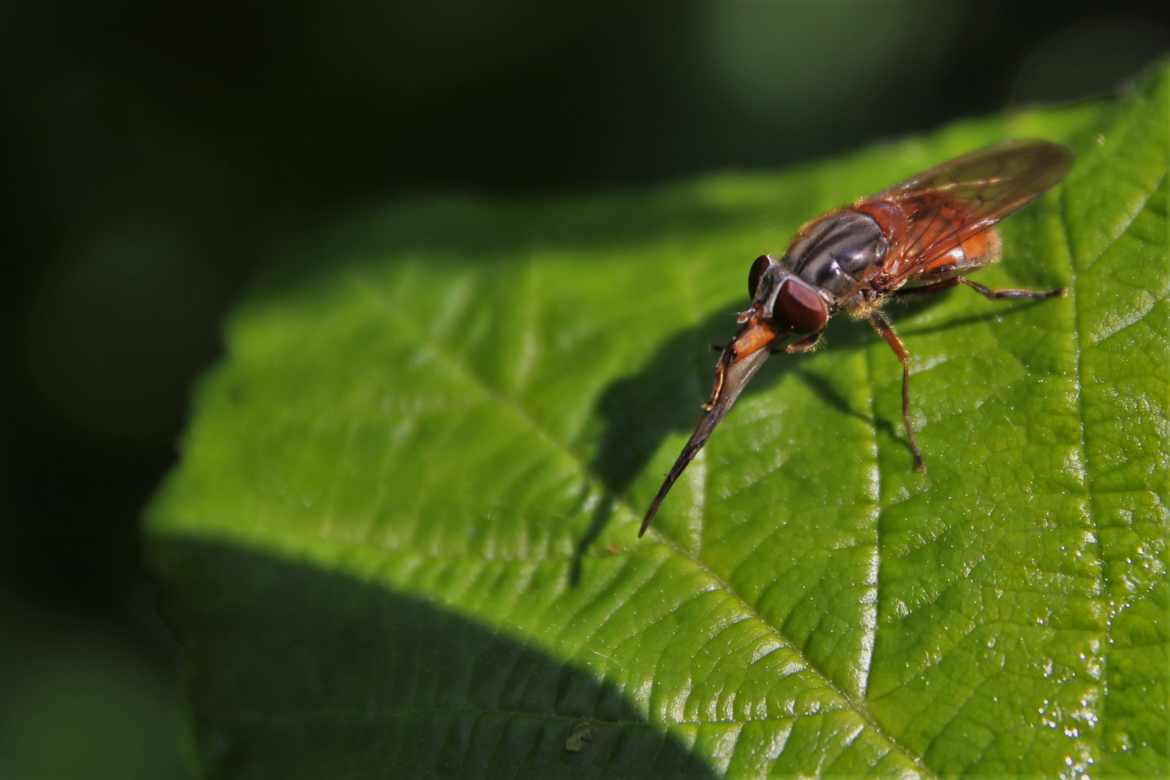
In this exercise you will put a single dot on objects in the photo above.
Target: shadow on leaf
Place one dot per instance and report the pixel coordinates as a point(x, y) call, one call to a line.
point(640, 410)
point(303, 672)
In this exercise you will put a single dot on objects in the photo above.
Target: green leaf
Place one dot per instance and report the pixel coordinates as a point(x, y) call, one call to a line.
point(402, 538)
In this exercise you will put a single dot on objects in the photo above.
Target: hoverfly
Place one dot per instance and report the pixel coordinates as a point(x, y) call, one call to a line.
point(921, 236)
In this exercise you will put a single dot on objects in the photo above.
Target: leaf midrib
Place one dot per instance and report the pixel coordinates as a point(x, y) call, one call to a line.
point(1078, 358)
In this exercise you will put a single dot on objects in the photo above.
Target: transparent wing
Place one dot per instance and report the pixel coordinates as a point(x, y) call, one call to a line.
point(960, 198)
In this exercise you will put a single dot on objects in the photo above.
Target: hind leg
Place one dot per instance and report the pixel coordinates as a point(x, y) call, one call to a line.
point(986, 292)
point(999, 295)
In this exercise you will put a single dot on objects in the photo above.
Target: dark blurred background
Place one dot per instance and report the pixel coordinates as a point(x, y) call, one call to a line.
point(152, 150)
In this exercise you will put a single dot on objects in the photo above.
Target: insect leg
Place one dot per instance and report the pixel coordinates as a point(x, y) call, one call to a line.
point(806, 344)
point(945, 284)
point(886, 331)
point(997, 295)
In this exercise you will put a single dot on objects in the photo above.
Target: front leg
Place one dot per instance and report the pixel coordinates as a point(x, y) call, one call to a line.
point(886, 331)
point(805, 344)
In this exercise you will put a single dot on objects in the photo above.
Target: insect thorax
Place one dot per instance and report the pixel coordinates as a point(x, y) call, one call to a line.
point(835, 252)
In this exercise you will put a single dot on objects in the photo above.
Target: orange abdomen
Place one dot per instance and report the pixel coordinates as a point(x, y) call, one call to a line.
point(978, 250)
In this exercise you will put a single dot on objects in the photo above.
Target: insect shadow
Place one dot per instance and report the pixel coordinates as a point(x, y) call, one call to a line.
point(639, 410)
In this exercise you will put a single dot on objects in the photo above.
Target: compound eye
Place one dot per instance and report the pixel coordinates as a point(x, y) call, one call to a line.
point(763, 262)
point(799, 306)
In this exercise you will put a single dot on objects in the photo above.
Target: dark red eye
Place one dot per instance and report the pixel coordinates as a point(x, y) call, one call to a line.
point(799, 306)
point(758, 268)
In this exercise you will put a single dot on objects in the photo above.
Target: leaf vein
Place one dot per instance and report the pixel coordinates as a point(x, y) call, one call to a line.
point(404, 323)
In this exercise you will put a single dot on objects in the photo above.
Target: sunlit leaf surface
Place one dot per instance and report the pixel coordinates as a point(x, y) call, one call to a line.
point(401, 540)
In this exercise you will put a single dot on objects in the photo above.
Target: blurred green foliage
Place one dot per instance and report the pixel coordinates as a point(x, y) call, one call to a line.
point(78, 703)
